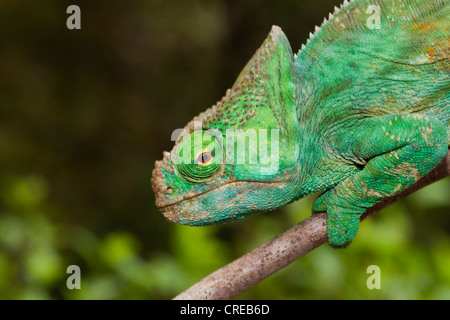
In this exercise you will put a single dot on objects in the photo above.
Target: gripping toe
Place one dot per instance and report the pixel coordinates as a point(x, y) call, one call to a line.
point(341, 229)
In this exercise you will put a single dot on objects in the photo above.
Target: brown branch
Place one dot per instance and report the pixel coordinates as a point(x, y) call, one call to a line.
point(246, 271)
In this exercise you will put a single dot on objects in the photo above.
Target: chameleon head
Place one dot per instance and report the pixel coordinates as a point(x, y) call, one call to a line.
point(238, 157)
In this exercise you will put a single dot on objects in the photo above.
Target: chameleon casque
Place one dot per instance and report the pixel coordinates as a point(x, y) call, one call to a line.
point(359, 114)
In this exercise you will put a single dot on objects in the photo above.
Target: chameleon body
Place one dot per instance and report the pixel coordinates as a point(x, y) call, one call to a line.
point(360, 113)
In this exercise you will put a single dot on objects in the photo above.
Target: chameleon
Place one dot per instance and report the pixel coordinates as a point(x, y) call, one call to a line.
point(358, 114)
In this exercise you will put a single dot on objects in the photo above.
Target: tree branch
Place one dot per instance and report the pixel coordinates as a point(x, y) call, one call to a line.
point(241, 274)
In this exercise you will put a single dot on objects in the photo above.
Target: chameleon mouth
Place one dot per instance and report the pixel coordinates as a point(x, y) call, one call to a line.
point(217, 205)
point(194, 196)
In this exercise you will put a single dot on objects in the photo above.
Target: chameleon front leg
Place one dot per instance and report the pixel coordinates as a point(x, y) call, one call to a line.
point(399, 150)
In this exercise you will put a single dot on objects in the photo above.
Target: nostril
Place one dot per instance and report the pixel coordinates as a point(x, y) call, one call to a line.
point(169, 190)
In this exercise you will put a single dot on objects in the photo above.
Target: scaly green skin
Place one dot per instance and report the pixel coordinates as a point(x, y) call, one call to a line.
point(361, 113)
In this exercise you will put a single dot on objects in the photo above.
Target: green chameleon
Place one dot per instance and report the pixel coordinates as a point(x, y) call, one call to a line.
point(360, 113)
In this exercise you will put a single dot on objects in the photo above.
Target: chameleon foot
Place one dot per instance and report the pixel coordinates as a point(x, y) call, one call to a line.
point(341, 226)
point(341, 229)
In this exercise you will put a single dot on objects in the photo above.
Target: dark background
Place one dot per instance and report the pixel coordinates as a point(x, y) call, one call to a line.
point(85, 113)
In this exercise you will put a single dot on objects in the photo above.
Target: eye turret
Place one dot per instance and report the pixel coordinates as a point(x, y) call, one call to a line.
point(199, 157)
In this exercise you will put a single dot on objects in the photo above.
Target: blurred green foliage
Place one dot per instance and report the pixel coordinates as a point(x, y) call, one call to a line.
point(85, 113)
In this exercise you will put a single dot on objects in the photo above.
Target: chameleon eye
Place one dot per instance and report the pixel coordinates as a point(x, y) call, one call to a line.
point(204, 158)
point(203, 165)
